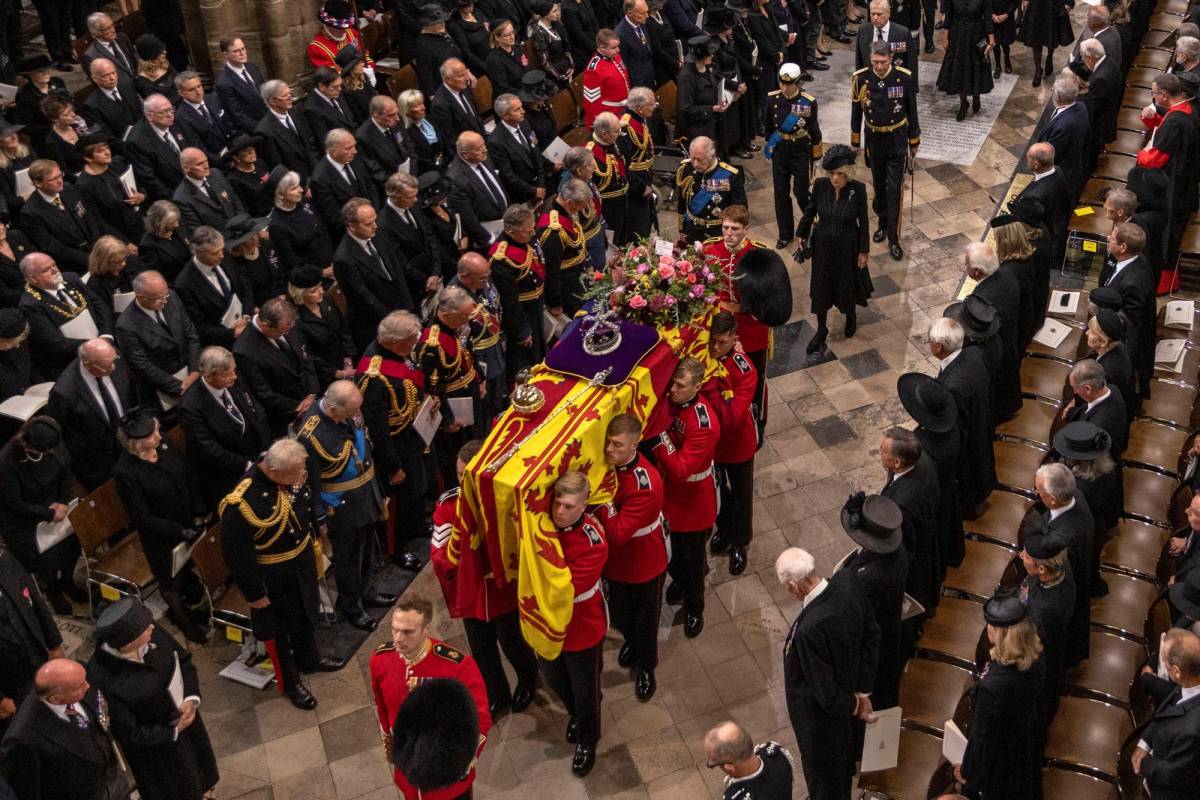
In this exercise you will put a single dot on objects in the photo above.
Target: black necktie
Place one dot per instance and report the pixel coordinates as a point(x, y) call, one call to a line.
point(248, 79)
point(283, 345)
point(79, 720)
point(224, 284)
point(232, 410)
point(120, 54)
point(109, 402)
point(879, 34)
point(204, 113)
point(378, 259)
point(208, 190)
point(170, 140)
point(489, 183)
point(466, 107)
point(65, 298)
point(521, 138)
point(349, 173)
point(338, 108)
point(158, 315)
point(115, 96)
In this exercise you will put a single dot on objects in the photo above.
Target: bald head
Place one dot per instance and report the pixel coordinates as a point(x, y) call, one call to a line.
point(194, 163)
point(727, 745)
point(104, 74)
point(343, 400)
point(98, 356)
point(1040, 157)
point(61, 681)
point(454, 74)
point(471, 147)
point(474, 271)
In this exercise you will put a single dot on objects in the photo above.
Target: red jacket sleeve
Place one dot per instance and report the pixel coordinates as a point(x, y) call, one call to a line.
point(636, 510)
point(586, 558)
point(471, 678)
point(699, 444)
point(744, 384)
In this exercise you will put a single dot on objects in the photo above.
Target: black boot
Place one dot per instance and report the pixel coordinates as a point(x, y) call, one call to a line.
point(1007, 63)
point(1037, 75)
point(178, 614)
point(975, 104)
point(851, 324)
point(996, 69)
point(962, 109)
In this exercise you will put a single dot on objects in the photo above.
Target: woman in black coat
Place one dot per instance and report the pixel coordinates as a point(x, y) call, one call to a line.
point(505, 63)
point(1004, 27)
point(699, 96)
point(157, 492)
point(14, 245)
point(1104, 334)
point(248, 176)
point(1083, 447)
point(250, 252)
point(580, 21)
point(836, 219)
point(1003, 755)
point(14, 156)
point(1046, 24)
point(471, 34)
point(965, 68)
point(161, 247)
point(102, 189)
point(550, 52)
point(323, 327)
point(164, 742)
point(297, 233)
point(423, 143)
point(1017, 249)
point(16, 361)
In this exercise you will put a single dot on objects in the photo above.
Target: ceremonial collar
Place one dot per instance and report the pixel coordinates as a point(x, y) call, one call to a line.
point(571, 527)
point(425, 650)
point(631, 463)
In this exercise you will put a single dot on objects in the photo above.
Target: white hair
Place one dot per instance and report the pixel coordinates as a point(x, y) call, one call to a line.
point(980, 256)
point(947, 333)
point(795, 565)
point(1058, 481)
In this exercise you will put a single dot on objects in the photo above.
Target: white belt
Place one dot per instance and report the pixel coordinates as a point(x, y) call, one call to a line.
point(579, 598)
point(651, 528)
point(699, 476)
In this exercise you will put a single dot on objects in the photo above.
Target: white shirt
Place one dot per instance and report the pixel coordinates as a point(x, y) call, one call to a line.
point(1055, 513)
point(898, 475)
point(93, 384)
point(49, 198)
point(339, 168)
point(283, 118)
point(884, 30)
point(362, 243)
point(210, 275)
point(236, 70)
point(1039, 175)
point(948, 359)
point(60, 711)
point(148, 312)
point(1100, 399)
point(1120, 266)
point(808, 598)
point(199, 184)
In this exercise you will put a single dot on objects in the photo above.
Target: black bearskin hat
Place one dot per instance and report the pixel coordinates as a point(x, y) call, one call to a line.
point(436, 734)
point(764, 286)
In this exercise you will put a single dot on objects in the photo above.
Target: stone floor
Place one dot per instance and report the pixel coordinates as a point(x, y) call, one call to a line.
point(823, 434)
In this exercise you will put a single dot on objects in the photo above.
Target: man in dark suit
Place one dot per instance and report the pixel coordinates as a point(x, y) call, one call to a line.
point(209, 290)
point(154, 146)
point(682, 14)
point(404, 231)
point(324, 108)
point(933, 408)
point(514, 152)
point(962, 371)
point(107, 43)
point(286, 136)
point(1049, 187)
point(1105, 90)
point(61, 312)
point(452, 109)
point(114, 105)
point(28, 635)
point(1184, 546)
point(1066, 515)
point(1099, 27)
point(913, 486)
point(276, 366)
point(225, 426)
point(158, 341)
point(204, 196)
point(635, 44)
point(202, 115)
point(1168, 754)
point(902, 41)
point(829, 664)
point(56, 219)
point(999, 288)
point(1098, 403)
point(59, 745)
point(372, 278)
point(1128, 271)
point(88, 400)
point(381, 139)
point(477, 182)
point(238, 86)
point(338, 177)
point(1067, 129)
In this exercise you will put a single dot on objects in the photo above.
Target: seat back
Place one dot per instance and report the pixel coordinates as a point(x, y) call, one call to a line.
point(176, 439)
point(1158, 622)
point(98, 517)
point(1184, 457)
point(668, 101)
point(401, 80)
point(1177, 513)
point(482, 94)
point(576, 89)
point(565, 110)
point(209, 562)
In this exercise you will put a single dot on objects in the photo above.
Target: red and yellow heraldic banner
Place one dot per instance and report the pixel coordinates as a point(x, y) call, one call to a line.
point(508, 488)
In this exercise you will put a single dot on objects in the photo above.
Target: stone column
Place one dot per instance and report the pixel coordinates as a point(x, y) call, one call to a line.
point(276, 33)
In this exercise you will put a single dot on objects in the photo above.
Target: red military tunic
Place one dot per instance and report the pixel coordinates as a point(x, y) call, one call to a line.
point(393, 677)
point(322, 51)
point(684, 454)
point(610, 178)
point(605, 87)
point(637, 543)
point(753, 335)
point(585, 550)
point(491, 601)
point(731, 397)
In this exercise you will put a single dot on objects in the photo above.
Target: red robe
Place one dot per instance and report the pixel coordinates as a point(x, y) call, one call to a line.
point(739, 432)
point(585, 550)
point(393, 676)
point(490, 600)
point(753, 335)
point(637, 545)
point(684, 455)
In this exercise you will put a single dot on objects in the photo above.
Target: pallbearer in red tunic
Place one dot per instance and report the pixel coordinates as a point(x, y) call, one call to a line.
point(684, 455)
point(575, 674)
point(605, 79)
point(637, 551)
point(412, 657)
point(490, 621)
point(520, 274)
point(610, 177)
point(731, 397)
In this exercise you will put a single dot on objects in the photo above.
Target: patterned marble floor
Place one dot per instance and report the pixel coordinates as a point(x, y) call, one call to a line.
point(822, 443)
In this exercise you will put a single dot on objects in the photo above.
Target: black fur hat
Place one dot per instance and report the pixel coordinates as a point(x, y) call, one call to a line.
point(764, 286)
point(436, 734)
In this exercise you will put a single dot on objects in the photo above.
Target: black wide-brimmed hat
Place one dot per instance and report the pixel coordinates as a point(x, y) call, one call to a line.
point(431, 14)
point(244, 141)
point(35, 63)
point(927, 401)
point(719, 19)
point(1021, 209)
point(1110, 323)
point(337, 14)
point(535, 87)
point(305, 277)
point(1042, 544)
point(433, 186)
point(1081, 440)
point(241, 227)
point(700, 46)
point(138, 423)
point(1004, 609)
point(1185, 595)
point(12, 323)
point(149, 47)
point(839, 156)
point(873, 522)
point(977, 316)
point(122, 622)
point(347, 57)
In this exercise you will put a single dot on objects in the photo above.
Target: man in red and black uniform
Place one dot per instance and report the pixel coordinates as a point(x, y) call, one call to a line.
point(411, 658)
point(338, 31)
point(730, 397)
point(575, 674)
point(637, 548)
point(491, 622)
point(637, 148)
point(684, 455)
point(755, 337)
point(1171, 148)
point(605, 80)
point(564, 247)
point(445, 358)
point(519, 275)
point(610, 177)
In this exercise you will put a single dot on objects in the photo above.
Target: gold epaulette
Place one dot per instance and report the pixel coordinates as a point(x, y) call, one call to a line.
point(501, 249)
point(729, 167)
point(860, 71)
point(434, 335)
point(757, 243)
point(808, 97)
point(447, 652)
point(375, 367)
point(309, 426)
point(777, 91)
point(554, 223)
point(712, 239)
point(905, 70)
point(385, 647)
point(234, 497)
point(625, 118)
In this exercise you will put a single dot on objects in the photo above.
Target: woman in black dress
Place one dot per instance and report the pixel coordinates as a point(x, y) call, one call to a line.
point(62, 140)
point(161, 247)
point(1004, 27)
point(106, 275)
point(550, 51)
point(102, 189)
point(1104, 334)
point(249, 252)
point(965, 68)
point(1083, 447)
point(505, 63)
point(155, 74)
point(699, 96)
point(248, 177)
point(356, 90)
point(16, 359)
point(14, 156)
point(297, 233)
point(444, 218)
point(323, 327)
point(471, 34)
point(1046, 24)
point(1017, 252)
point(836, 219)
point(14, 245)
point(159, 495)
point(422, 140)
point(1003, 756)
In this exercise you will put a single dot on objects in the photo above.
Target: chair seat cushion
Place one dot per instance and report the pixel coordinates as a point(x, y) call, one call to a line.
point(1016, 463)
point(1033, 423)
point(919, 759)
point(930, 691)
point(1075, 785)
point(1125, 606)
point(1136, 546)
point(1111, 665)
point(1171, 402)
point(1044, 378)
point(1147, 494)
point(126, 561)
point(1155, 445)
point(953, 631)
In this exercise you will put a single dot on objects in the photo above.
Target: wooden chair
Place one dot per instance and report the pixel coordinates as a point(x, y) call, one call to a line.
point(577, 136)
point(1124, 609)
point(1141, 77)
point(1111, 167)
point(1000, 521)
point(952, 634)
point(1135, 97)
point(1043, 379)
point(377, 37)
point(1096, 187)
point(1126, 143)
point(980, 572)
point(1155, 446)
point(1067, 352)
point(132, 25)
point(1165, 22)
point(482, 94)
point(576, 89)
point(1172, 402)
point(1015, 464)
point(81, 95)
point(1132, 785)
point(1087, 735)
point(1135, 549)
point(1181, 498)
point(1034, 423)
point(1192, 336)
point(668, 100)
point(1179, 8)
point(229, 608)
point(930, 692)
point(117, 569)
point(1111, 666)
point(402, 80)
point(1147, 494)
point(919, 761)
point(1152, 58)
point(565, 111)
point(1066, 783)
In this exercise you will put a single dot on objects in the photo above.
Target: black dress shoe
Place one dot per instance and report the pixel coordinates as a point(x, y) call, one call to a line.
point(644, 685)
point(804, 76)
point(842, 38)
point(407, 561)
point(737, 561)
point(782, 243)
point(584, 760)
point(572, 731)
point(330, 664)
point(878, 236)
point(523, 696)
point(625, 656)
point(824, 52)
point(1037, 78)
point(326, 617)
point(497, 708)
point(674, 594)
point(975, 103)
point(897, 252)
point(301, 697)
point(59, 602)
point(379, 599)
point(818, 66)
point(693, 624)
point(359, 619)
point(928, 47)
point(962, 112)
point(718, 544)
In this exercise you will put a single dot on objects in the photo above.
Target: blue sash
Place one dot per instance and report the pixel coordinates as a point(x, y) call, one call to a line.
point(351, 470)
point(702, 196)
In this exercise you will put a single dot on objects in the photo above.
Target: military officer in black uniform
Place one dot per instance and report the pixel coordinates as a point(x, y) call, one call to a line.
point(267, 540)
point(705, 185)
point(520, 275)
point(793, 143)
point(393, 389)
point(342, 474)
point(637, 148)
point(475, 278)
point(887, 96)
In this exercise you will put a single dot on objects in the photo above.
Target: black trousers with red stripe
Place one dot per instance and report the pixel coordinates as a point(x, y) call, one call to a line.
point(634, 609)
point(575, 677)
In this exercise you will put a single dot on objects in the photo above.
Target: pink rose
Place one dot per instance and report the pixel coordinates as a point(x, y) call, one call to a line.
point(670, 300)
point(635, 252)
point(658, 302)
point(666, 261)
point(697, 291)
point(685, 266)
point(666, 271)
point(637, 301)
point(691, 278)
point(642, 269)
